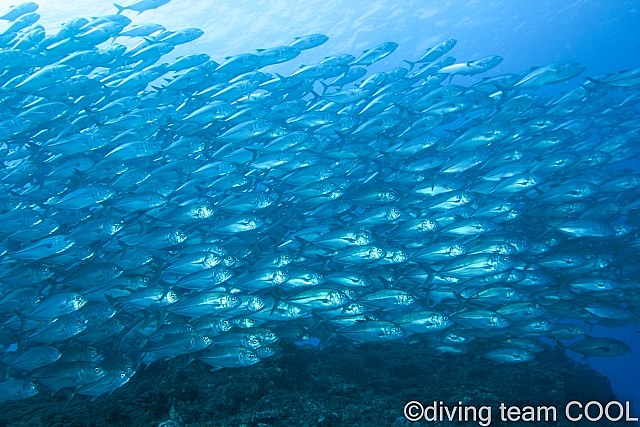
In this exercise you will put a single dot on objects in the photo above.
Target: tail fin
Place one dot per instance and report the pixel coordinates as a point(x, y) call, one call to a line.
point(596, 82)
point(325, 86)
point(411, 64)
point(120, 8)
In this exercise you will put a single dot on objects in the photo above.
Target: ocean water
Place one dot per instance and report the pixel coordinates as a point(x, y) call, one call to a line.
point(601, 35)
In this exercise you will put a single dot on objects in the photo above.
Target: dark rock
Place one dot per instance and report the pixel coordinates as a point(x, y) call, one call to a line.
point(363, 385)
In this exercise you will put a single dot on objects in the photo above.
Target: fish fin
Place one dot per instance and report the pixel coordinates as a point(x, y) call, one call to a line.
point(331, 332)
point(594, 81)
point(387, 284)
point(341, 135)
point(120, 8)
point(276, 300)
point(93, 118)
point(461, 301)
point(430, 273)
point(260, 50)
point(304, 243)
point(411, 64)
point(71, 395)
point(318, 320)
point(325, 260)
point(560, 345)
point(502, 88)
point(111, 300)
point(325, 86)
point(125, 247)
point(254, 153)
point(136, 346)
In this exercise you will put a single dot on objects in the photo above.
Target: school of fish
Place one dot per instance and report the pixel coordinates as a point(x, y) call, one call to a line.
point(204, 209)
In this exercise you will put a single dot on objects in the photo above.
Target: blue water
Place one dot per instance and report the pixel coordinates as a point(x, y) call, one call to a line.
point(601, 34)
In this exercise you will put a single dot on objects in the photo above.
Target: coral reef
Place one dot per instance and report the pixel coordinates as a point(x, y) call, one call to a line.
point(339, 385)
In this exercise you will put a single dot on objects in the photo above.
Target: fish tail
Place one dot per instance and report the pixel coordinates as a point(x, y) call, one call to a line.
point(594, 81)
point(325, 88)
point(93, 117)
point(430, 274)
point(120, 8)
point(23, 320)
point(69, 398)
point(411, 64)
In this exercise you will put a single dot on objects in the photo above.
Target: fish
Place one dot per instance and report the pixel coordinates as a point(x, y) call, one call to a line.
point(472, 67)
point(375, 54)
point(509, 354)
point(17, 11)
point(202, 208)
point(434, 52)
point(17, 390)
point(549, 74)
point(142, 30)
point(142, 5)
point(602, 347)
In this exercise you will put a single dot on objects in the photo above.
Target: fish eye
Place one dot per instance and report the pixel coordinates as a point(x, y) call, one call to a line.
point(96, 370)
